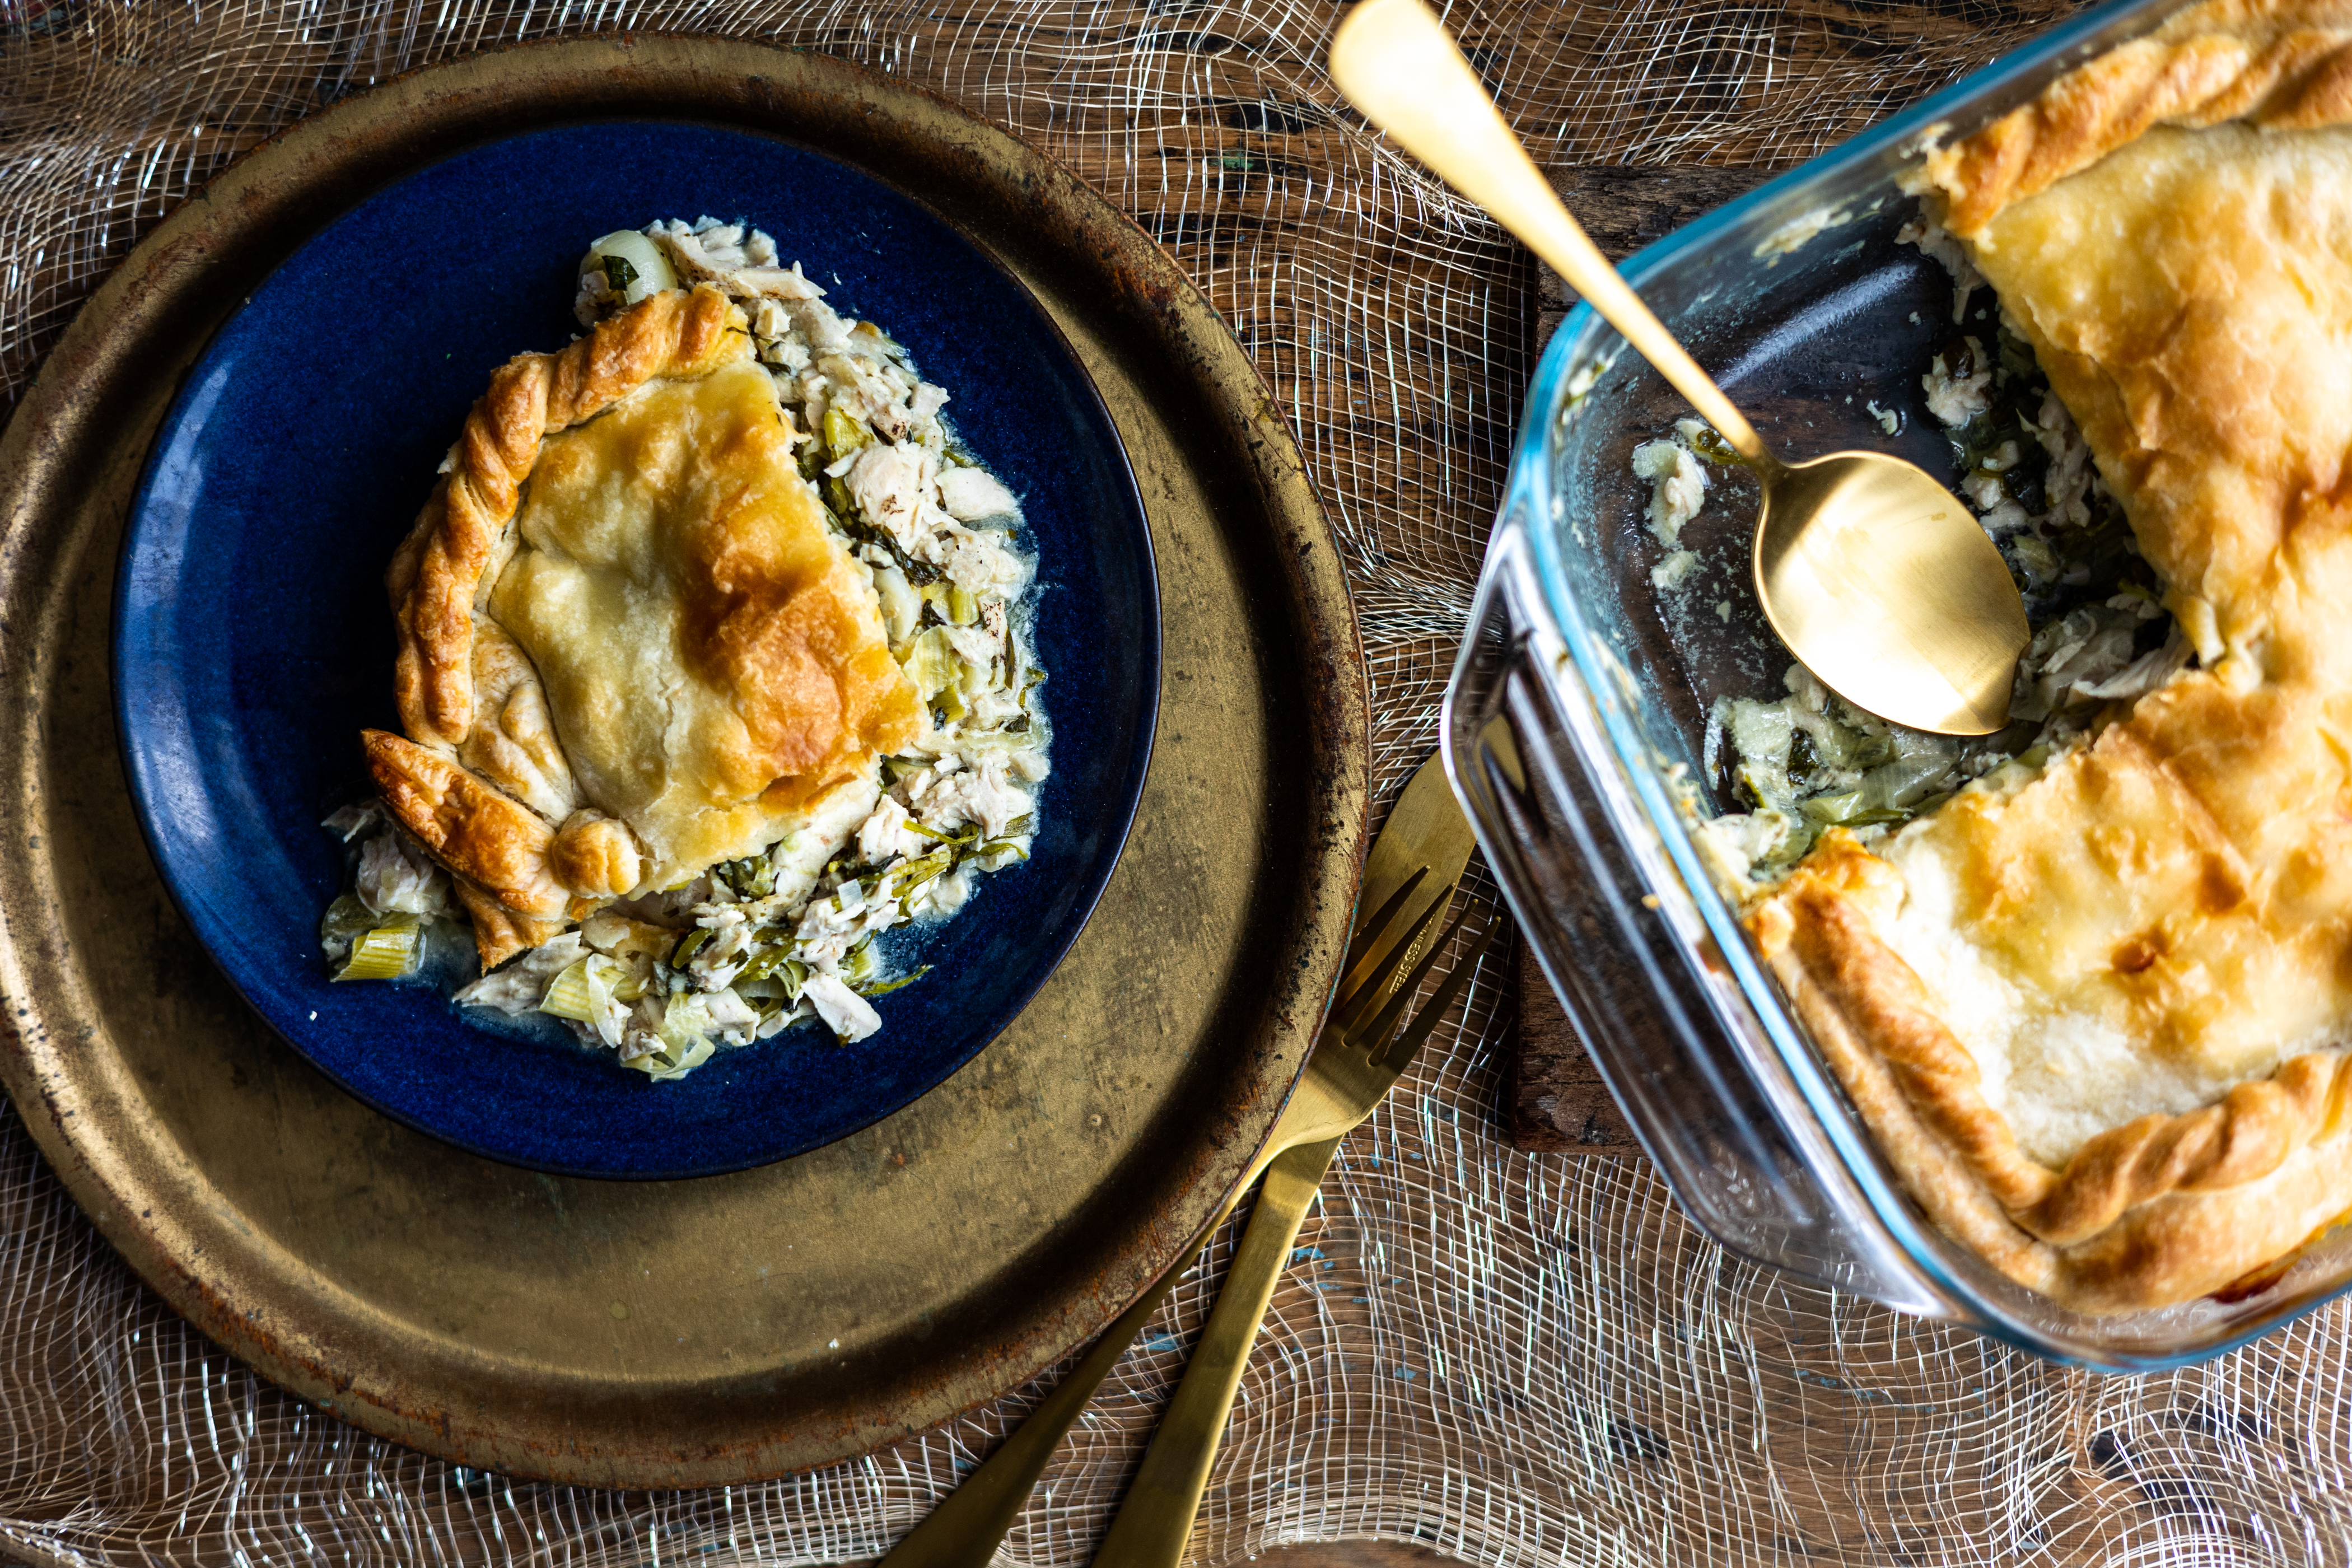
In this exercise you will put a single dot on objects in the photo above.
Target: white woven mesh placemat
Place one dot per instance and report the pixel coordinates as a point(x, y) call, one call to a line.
point(1514, 1359)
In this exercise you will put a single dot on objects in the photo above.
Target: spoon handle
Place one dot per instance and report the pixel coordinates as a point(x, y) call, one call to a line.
point(1397, 64)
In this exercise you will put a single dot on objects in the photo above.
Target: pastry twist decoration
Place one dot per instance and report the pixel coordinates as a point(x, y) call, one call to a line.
point(439, 574)
point(481, 778)
point(2246, 1136)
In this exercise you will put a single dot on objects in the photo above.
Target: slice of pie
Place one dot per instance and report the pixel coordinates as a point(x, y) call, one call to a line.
point(630, 647)
point(2097, 1013)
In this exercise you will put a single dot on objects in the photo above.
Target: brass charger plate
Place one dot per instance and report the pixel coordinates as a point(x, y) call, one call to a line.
point(716, 1331)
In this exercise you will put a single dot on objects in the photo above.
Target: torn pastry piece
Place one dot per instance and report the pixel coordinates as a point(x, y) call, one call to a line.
point(2097, 1012)
point(692, 589)
point(513, 743)
point(476, 830)
point(630, 645)
point(711, 654)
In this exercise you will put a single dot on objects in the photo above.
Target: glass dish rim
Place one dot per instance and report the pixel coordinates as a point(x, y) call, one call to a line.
point(1527, 502)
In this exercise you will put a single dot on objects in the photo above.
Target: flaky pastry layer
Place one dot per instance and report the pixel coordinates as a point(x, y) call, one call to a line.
point(2275, 64)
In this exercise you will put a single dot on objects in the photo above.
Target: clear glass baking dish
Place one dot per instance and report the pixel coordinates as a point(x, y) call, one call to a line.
point(1580, 696)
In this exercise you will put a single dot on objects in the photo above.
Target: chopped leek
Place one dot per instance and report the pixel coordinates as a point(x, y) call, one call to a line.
point(1005, 742)
point(930, 664)
point(914, 873)
point(684, 1021)
point(859, 964)
point(689, 944)
point(1833, 809)
point(568, 996)
point(752, 877)
point(766, 995)
point(633, 265)
point(844, 433)
point(348, 919)
point(586, 990)
point(764, 965)
point(387, 953)
point(902, 605)
point(838, 500)
point(956, 606)
point(1760, 732)
point(1849, 809)
point(684, 1045)
point(886, 987)
point(671, 1062)
point(772, 966)
point(997, 854)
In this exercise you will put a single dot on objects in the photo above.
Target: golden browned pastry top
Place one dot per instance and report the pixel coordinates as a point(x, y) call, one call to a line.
point(631, 647)
point(713, 657)
point(2275, 64)
point(2149, 1211)
point(2190, 296)
point(436, 574)
point(2098, 1012)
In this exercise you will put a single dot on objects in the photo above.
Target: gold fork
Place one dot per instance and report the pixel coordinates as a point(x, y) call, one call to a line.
point(1409, 879)
point(1361, 1058)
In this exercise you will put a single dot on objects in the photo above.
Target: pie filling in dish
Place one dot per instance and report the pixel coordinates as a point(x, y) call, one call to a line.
point(714, 665)
point(2089, 982)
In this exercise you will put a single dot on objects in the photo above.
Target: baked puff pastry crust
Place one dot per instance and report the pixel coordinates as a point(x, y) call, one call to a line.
point(630, 646)
point(2097, 1016)
point(2279, 65)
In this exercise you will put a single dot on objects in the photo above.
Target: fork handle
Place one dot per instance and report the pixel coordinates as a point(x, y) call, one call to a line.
point(965, 1529)
point(1157, 1516)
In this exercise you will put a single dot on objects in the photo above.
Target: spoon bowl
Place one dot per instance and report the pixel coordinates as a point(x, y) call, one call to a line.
point(1877, 577)
point(1883, 584)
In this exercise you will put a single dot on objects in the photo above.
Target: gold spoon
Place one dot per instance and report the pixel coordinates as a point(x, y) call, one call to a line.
point(1876, 578)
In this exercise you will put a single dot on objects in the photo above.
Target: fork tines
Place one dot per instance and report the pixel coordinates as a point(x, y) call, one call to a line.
point(1372, 1037)
point(1364, 994)
point(1398, 1057)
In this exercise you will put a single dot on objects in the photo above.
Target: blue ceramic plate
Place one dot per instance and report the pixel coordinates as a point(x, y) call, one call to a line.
point(253, 641)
